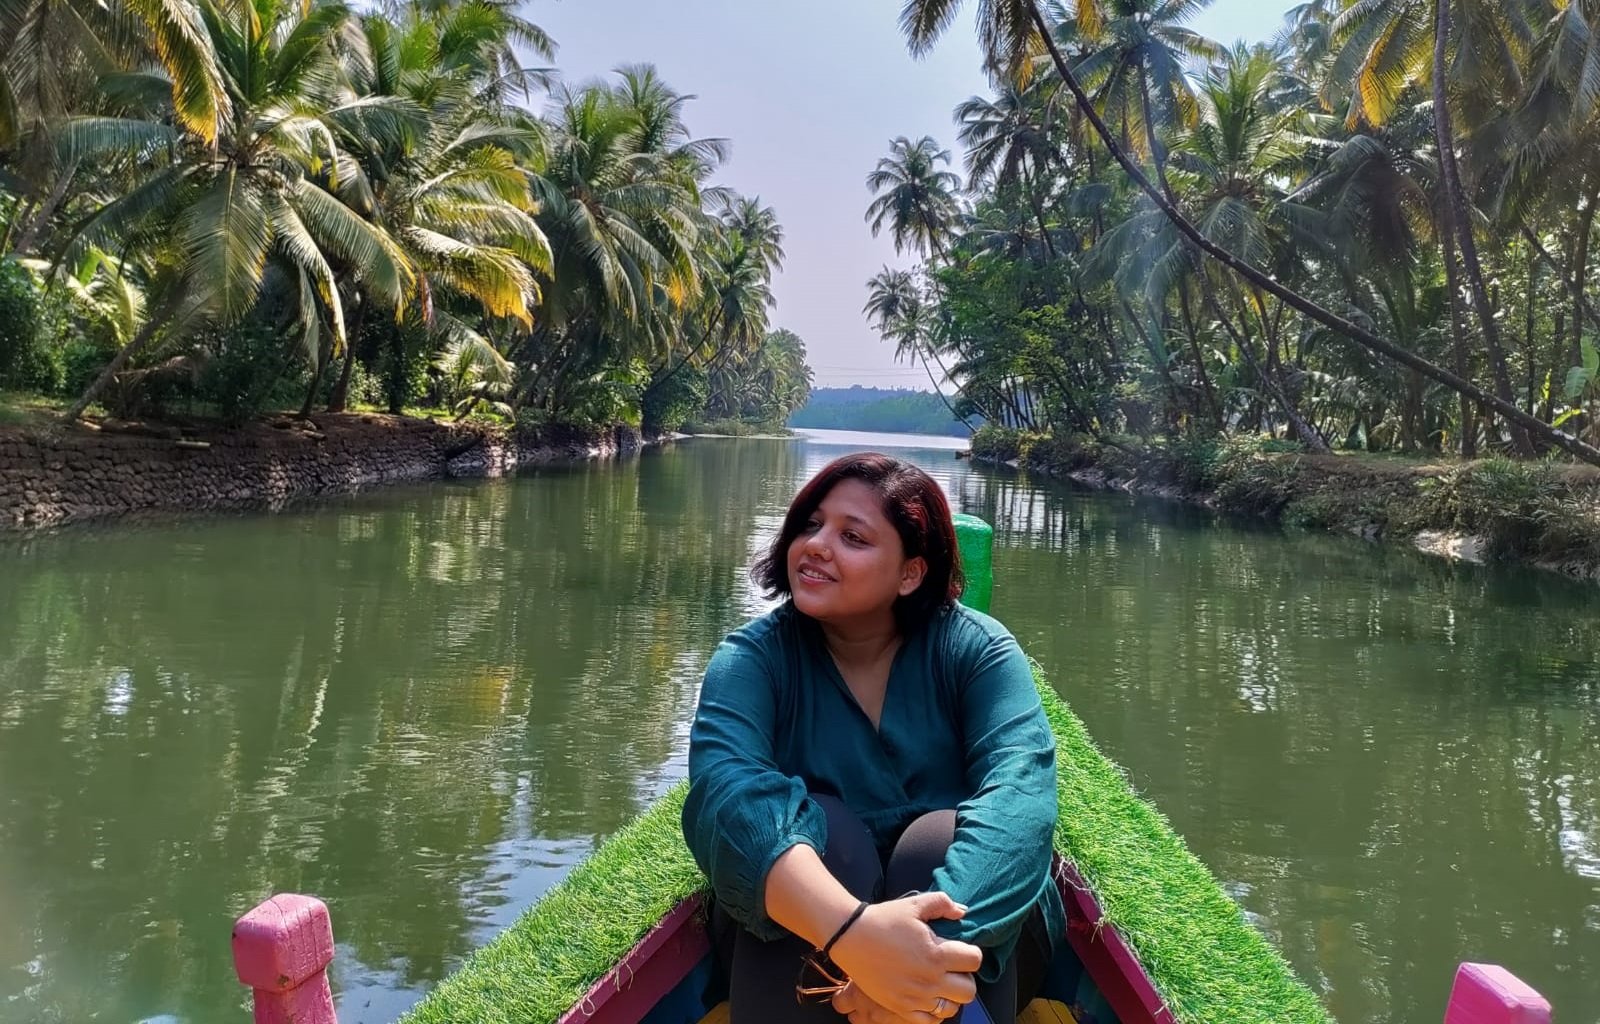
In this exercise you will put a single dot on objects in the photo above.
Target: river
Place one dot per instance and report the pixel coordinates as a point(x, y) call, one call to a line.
point(424, 704)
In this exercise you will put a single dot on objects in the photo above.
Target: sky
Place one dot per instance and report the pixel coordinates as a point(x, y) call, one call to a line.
point(810, 93)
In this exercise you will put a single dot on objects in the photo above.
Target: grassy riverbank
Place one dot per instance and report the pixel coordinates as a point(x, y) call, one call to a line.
point(1208, 963)
point(1545, 513)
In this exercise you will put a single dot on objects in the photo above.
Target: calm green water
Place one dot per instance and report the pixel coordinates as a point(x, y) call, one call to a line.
point(426, 704)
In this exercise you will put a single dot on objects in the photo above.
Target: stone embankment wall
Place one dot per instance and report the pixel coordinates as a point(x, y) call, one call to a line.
point(51, 478)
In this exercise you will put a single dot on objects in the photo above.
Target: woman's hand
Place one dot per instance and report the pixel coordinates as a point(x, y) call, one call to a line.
point(859, 1007)
point(900, 967)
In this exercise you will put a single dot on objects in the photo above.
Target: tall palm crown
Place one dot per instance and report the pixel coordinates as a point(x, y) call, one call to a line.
point(264, 191)
point(1008, 137)
point(915, 195)
point(1384, 47)
point(1006, 32)
point(55, 52)
point(1244, 150)
point(1134, 52)
point(757, 228)
point(621, 221)
point(898, 310)
point(448, 186)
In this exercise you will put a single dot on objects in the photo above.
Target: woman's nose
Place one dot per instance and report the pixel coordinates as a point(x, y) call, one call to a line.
point(816, 546)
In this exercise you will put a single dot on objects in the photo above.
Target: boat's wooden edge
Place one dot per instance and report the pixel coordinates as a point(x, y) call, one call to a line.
point(670, 950)
point(1110, 961)
point(651, 969)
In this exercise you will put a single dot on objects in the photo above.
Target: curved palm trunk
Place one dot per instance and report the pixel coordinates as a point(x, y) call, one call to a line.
point(1032, 187)
point(1304, 431)
point(134, 347)
point(40, 220)
point(942, 396)
point(1366, 339)
point(1458, 338)
point(318, 369)
point(1580, 273)
point(1457, 221)
point(340, 399)
point(1194, 350)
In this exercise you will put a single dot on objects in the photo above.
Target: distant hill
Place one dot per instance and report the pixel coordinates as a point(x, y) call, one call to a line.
point(893, 410)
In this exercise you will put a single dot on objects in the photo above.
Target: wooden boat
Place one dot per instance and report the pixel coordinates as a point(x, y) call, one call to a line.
point(283, 947)
point(670, 977)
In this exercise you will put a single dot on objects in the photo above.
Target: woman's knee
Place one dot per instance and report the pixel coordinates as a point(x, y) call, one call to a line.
point(919, 852)
point(851, 855)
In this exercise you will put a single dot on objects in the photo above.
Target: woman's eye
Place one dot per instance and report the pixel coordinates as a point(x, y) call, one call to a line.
point(854, 537)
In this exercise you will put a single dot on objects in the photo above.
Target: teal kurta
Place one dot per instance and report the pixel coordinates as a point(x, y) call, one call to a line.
point(961, 727)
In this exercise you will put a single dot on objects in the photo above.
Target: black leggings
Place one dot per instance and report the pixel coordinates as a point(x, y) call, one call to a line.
point(763, 974)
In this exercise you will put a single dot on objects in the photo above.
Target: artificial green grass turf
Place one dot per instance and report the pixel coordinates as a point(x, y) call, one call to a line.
point(1208, 963)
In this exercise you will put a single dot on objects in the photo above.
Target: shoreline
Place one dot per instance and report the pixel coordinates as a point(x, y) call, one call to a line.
point(1543, 515)
point(63, 476)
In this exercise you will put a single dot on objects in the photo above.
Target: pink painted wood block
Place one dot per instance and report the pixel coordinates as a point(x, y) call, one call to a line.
point(282, 950)
point(1486, 994)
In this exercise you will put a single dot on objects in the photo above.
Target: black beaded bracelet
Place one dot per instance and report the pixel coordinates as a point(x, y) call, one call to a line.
point(855, 916)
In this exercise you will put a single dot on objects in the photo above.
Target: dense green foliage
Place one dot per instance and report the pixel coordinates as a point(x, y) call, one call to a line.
point(892, 410)
point(1208, 963)
point(19, 321)
point(246, 204)
point(1282, 248)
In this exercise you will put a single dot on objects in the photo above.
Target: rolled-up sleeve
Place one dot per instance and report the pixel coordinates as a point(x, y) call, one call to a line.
point(999, 863)
point(742, 812)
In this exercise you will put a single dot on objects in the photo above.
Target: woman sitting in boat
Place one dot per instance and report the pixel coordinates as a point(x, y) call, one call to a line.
point(872, 777)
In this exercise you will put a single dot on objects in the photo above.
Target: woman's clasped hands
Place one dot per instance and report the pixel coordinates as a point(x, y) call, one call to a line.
point(900, 971)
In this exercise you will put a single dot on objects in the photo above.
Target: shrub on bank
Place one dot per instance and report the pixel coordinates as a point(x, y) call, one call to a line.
point(1521, 509)
point(993, 443)
point(19, 322)
point(733, 428)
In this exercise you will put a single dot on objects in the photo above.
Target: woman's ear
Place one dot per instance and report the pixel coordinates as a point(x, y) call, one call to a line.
point(912, 575)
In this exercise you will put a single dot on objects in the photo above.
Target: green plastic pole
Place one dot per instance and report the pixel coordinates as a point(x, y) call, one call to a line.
point(975, 538)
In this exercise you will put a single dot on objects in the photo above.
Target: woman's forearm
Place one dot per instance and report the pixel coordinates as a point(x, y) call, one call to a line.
point(804, 897)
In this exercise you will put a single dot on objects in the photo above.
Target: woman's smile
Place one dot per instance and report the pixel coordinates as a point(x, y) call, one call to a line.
point(814, 574)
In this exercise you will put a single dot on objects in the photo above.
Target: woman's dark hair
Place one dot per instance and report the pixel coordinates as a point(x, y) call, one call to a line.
point(912, 501)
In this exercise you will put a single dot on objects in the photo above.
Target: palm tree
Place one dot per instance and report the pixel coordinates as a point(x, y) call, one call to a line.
point(1008, 139)
point(914, 196)
point(448, 188)
point(63, 58)
point(477, 40)
point(1009, 42)
point(1371, 203)
point(739, 252)
point(1389, 47)
point(757, 229)
point(623, 224)
point(1235, 160)
point(1134, 58)
point(261, 194)
point(1543, 152)
point(899, 312)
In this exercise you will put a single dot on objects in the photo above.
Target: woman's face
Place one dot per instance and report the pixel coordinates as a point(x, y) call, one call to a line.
point(848, 562)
